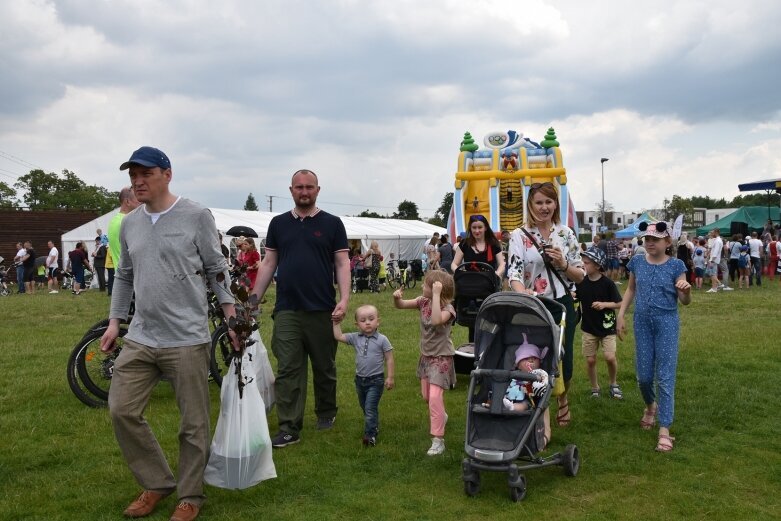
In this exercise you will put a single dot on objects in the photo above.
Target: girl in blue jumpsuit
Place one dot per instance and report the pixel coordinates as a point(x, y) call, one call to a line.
point(659, 281)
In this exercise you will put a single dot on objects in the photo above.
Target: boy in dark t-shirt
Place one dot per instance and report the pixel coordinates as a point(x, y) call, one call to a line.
point(599, 298)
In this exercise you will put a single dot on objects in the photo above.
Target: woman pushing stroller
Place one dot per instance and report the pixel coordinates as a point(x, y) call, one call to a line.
point(545, 261)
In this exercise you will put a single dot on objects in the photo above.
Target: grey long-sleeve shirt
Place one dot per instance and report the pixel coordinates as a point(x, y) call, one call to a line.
point(165, 264)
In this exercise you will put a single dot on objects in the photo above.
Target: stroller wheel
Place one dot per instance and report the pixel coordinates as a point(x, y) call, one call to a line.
point(471, 478)
point(570, 460)
point(518, 492)
point(471, 488)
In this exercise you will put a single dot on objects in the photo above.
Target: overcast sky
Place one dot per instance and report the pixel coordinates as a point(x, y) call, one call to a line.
point(683, 97)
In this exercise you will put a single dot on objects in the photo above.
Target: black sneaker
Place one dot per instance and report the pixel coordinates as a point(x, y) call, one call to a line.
point(325, 423)
point(283, 439)
point(370, 441)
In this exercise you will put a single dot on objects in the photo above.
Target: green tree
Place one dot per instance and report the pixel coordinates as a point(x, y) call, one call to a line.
point(676, 206)
point(7, 196)
point(251, 205)
point(367, 213)
point(443, 212)
point(700, 201)
point(408, 211)
point(755, 199)
point(608, 206)
point(49, 191)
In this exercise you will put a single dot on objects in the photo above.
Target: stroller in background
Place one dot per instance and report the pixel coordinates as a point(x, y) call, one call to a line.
point(360, 278)
point(496, 438)
point(474, 282)
point(4, 290)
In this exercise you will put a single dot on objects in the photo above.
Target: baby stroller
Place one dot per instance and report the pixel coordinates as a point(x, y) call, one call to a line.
point(360, 278)
point(496, 437)
point(67, 279)
point(474, 282)
point(4, 291)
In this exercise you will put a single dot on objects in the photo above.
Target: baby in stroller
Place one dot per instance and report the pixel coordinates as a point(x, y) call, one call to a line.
point(523, 394)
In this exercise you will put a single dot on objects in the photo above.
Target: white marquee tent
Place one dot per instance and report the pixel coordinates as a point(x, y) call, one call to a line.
point(406, 239)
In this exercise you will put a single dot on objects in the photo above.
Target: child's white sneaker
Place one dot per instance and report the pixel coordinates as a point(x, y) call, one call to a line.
point(437, 447)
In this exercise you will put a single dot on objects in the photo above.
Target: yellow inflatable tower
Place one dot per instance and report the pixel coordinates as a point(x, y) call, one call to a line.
point(495, 181)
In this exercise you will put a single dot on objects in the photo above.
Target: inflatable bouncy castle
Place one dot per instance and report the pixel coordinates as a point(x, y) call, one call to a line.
point(495, 181)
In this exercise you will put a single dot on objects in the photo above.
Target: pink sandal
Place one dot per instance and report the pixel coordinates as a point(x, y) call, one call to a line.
point(648, 420)
point(665, 443)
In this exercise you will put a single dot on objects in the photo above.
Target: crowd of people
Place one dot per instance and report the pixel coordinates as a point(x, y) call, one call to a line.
point(169, 248)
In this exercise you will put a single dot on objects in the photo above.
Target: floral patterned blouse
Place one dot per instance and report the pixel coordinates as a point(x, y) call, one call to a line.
point(526, 264)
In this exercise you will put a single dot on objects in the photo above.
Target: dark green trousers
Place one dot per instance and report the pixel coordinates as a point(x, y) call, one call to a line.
point(300, 336)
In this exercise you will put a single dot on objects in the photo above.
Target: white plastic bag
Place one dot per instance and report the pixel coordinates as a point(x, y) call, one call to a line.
point(241, 449)
point(264, 375)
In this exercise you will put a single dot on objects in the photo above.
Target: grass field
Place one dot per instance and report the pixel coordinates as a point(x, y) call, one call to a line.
point(59, 459)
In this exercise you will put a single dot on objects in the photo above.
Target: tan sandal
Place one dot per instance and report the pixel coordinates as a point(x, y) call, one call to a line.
point(665, 443)
point(563, 417)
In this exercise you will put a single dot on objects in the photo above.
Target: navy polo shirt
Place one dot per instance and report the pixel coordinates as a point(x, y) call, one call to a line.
point(305, 259)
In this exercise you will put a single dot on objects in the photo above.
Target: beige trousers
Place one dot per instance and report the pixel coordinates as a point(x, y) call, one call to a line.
point(137, 370)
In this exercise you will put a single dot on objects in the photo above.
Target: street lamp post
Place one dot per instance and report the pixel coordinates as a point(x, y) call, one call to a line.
point(603, 160)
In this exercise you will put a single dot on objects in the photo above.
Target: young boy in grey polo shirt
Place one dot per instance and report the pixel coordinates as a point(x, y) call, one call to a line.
point(373, 350)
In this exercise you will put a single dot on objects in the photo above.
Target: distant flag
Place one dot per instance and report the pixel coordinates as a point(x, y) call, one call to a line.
point(677, 226)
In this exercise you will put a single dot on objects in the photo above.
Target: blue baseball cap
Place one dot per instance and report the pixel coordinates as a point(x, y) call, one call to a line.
point(149, 157)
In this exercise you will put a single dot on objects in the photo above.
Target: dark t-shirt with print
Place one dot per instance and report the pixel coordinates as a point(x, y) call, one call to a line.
point(598, 322)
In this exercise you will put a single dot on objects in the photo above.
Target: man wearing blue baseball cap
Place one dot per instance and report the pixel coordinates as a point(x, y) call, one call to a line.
point(167, 245)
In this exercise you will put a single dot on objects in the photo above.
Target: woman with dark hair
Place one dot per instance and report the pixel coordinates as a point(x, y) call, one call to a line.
point(445, 253)
point(545, 260)
point(480, 245)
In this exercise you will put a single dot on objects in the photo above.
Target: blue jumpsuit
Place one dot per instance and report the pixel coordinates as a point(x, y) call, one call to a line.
point(656, 331)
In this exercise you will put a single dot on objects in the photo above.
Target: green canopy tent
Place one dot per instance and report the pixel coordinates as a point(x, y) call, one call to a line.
point(768, 185)
point(754, 216)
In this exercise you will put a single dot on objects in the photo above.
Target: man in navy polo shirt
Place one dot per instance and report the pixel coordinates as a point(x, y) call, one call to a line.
point(305, 246)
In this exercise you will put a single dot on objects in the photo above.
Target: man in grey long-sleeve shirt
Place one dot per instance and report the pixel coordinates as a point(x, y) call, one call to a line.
point(167, 246)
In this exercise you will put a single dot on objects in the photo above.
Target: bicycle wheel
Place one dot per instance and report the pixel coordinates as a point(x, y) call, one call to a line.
point(410, 282)
point(95, 367)
point(392, 279)
point(97, 326)
point(76, 385)
point(220, 354)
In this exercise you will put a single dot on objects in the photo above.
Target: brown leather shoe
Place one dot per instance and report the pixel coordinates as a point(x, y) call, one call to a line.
point(185, 512)
point(144, 504)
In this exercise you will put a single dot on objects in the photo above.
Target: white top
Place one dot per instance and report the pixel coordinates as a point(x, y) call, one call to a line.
point(527, 266)
point(54, 256)
point(754, 247)
point(20, 255)
point(715, 251)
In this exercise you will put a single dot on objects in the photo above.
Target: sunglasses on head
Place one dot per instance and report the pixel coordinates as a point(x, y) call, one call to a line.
point(537, 186)
point(661, 226)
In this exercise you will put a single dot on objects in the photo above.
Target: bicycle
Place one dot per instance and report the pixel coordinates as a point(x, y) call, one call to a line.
point(89, 370)
point(400, 277)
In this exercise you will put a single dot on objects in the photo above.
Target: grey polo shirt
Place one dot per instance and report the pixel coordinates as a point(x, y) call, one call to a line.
point(369, 352)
